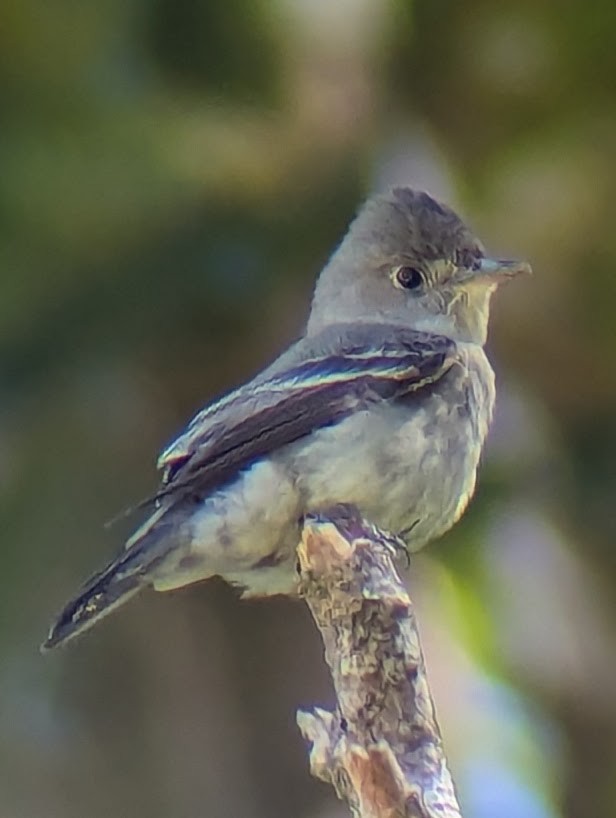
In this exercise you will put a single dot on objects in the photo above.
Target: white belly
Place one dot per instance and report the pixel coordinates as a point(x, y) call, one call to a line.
point(410, 467)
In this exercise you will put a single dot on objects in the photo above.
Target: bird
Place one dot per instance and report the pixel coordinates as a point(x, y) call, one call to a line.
point(383, 403)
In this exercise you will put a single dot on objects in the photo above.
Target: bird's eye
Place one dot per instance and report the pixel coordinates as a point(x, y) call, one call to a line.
point(409, 278)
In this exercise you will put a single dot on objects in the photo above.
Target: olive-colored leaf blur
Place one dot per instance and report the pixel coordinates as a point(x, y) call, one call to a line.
point(173, 173)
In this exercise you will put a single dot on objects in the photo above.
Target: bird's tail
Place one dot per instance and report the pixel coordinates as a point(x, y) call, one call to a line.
point(104, 592)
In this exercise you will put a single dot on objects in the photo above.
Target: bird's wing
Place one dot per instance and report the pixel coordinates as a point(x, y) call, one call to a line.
point(377, 363)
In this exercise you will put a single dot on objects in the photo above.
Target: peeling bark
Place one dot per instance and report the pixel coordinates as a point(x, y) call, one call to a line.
point(381, 748)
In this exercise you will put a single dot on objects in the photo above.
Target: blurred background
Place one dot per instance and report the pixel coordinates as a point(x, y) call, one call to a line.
point(173, 174)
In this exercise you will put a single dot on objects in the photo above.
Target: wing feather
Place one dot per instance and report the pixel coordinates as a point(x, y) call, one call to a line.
point(266, 414)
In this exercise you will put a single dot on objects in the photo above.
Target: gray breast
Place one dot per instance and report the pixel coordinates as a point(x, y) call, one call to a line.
point(457, 416)
point(410, 466)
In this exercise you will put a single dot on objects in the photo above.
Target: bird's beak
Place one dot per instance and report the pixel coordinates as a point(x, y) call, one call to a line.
point(496, 270)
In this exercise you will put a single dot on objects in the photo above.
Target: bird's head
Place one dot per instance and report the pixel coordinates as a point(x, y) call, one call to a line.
point(408, 259)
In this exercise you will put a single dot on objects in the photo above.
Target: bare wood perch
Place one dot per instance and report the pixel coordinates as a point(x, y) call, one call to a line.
point(381, 749)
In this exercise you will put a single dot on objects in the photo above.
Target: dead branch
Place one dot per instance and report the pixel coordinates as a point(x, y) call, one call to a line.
point(381, 748)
